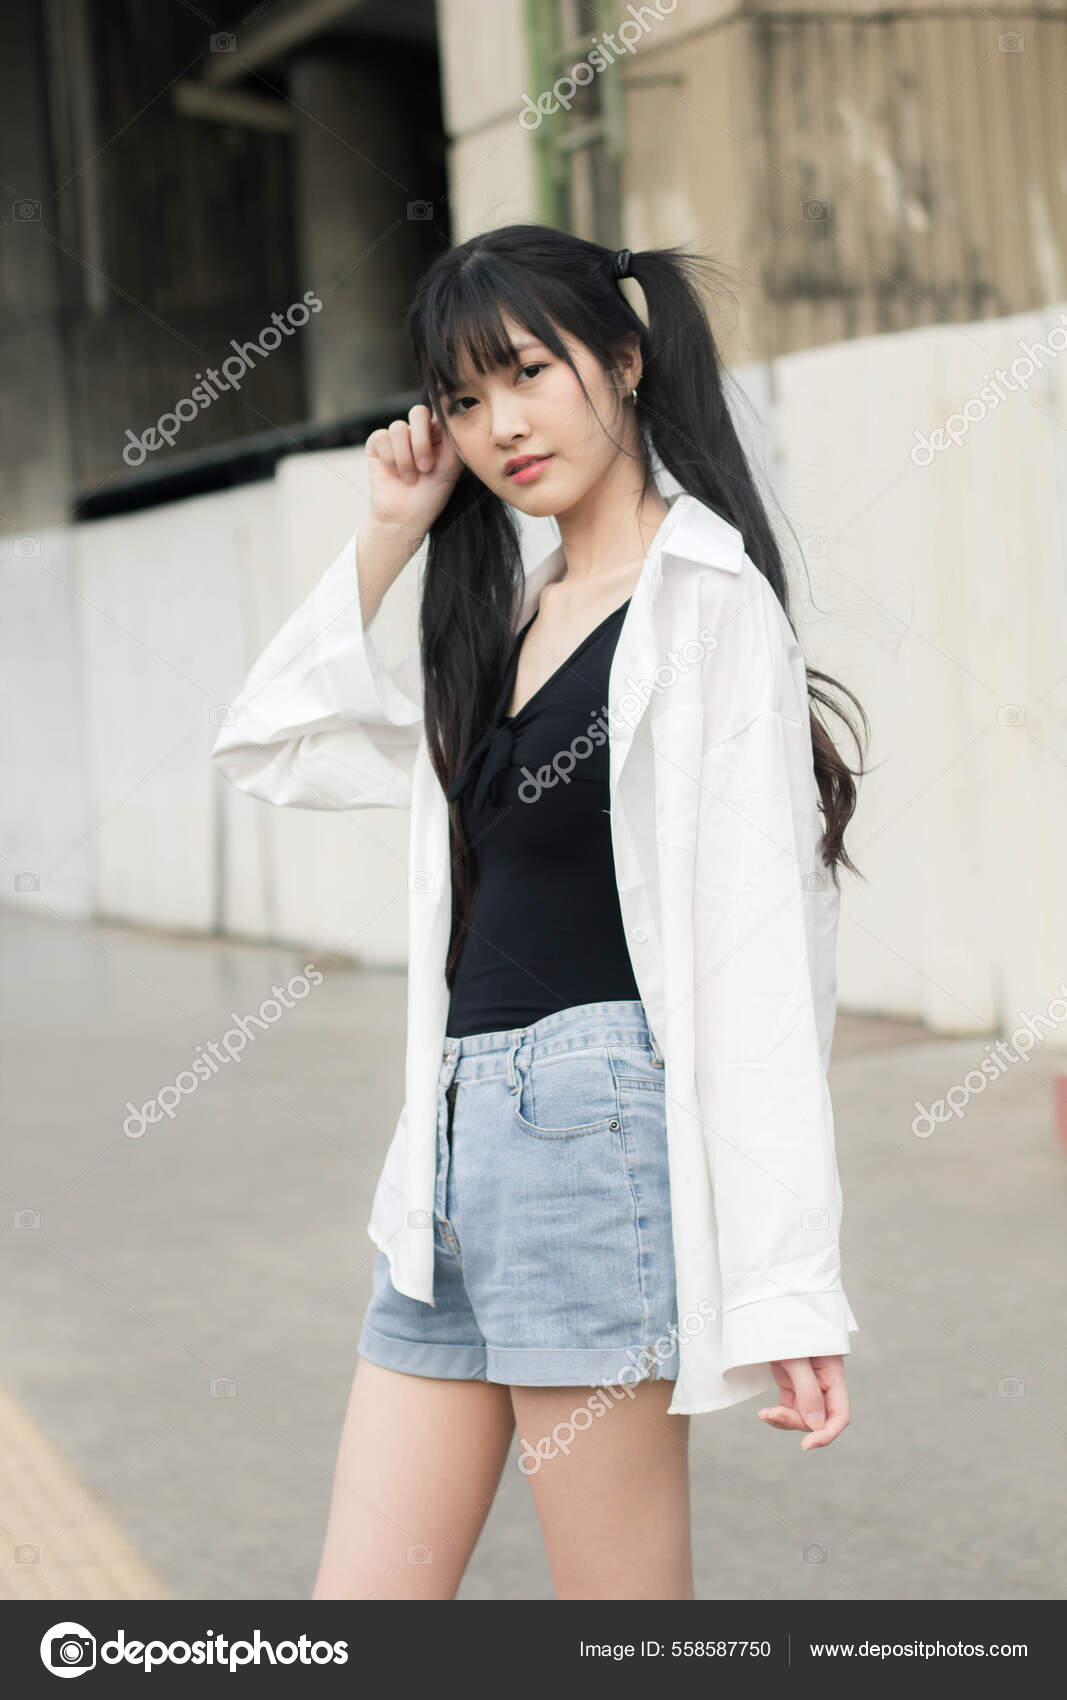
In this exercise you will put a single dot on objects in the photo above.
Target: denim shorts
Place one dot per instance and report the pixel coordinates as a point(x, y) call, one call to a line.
point(553, 1255)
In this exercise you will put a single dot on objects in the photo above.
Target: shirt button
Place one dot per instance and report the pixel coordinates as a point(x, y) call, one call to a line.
point(639, 935)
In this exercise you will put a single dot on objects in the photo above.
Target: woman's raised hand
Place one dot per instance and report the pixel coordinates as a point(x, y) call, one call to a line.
point(412, 468)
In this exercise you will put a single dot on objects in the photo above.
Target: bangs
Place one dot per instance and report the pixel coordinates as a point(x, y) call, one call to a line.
point(466, 319)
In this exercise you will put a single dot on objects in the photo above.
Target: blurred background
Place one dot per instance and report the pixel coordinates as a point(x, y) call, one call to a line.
point(213, 218)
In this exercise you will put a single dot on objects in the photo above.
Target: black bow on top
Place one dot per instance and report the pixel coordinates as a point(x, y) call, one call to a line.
point(492, 754)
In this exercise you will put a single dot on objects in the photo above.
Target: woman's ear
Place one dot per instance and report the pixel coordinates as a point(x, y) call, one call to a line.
point(628, 364)
point(632, 362)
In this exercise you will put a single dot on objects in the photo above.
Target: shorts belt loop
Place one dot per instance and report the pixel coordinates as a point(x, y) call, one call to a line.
point(450, 1062)
point(657, 1054)
point(516, 1041)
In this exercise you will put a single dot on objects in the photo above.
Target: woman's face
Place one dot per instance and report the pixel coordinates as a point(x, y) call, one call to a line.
point(533, 410)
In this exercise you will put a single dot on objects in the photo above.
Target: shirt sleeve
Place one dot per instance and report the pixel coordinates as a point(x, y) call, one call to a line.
point(765, 911)
point(321, 722)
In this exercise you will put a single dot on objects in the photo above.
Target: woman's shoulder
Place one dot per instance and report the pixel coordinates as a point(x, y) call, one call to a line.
point(732, 587)
point(744, 608)
point(753, 662)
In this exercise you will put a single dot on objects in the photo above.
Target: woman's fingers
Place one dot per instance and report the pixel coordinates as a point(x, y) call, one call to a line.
point(837, 1413)
point(413, 445)
point(814, 1399)
point(400, 443)
point(822, 1437)
point(780, 1416)
point(807, 1394)
point(422, 447)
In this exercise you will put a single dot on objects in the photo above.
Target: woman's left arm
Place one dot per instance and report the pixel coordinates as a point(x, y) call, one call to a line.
point(765, 926)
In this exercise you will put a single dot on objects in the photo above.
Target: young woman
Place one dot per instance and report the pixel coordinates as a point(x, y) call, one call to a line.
point(611, 1199)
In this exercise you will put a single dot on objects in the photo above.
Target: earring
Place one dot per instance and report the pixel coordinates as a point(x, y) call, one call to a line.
point(633, 394)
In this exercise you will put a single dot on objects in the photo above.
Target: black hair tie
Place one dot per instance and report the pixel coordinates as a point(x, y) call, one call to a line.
point(622, 262)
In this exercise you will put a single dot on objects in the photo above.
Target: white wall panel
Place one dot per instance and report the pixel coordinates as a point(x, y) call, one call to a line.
point(938, 593)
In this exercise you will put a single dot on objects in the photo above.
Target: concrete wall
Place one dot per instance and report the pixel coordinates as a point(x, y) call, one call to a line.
point(47, 849)
point(936, 592)
point(179, 601)
point(125, 639)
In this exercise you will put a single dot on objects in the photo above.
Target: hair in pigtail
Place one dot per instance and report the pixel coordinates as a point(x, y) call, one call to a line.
point(684, 406)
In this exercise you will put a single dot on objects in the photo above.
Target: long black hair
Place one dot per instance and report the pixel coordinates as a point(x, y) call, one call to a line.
point(550, 281)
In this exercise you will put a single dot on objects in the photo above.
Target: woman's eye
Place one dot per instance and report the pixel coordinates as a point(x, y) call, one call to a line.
point(459, 405)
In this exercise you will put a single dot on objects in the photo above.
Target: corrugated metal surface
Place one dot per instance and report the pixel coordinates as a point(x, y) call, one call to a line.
point(865, 173)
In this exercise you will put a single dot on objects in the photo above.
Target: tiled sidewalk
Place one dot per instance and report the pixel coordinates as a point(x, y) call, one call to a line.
point(180, 1308)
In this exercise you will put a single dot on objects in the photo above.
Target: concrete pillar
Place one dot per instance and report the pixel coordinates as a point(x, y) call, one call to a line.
point(35, 452)
point(369, 215)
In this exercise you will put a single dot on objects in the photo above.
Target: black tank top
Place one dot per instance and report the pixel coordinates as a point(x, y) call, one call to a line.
point(546, 929)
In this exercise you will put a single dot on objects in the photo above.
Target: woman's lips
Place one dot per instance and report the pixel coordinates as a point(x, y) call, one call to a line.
point(527, 473)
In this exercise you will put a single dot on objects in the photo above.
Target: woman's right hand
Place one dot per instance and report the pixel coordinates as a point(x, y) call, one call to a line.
point(412, 468)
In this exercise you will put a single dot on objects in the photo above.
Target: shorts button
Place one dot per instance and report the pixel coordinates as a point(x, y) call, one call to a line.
point(613, 1124)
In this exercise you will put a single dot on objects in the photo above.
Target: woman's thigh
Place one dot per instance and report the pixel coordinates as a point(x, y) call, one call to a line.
point(609, 1472)
point(419, 1462)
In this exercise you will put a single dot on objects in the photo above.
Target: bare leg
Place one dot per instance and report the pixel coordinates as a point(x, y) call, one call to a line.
point(613, 1507)
point(418, 1465)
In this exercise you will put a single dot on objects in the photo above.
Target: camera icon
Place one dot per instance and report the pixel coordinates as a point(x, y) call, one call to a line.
point(420, 209)
point(27, 882)
point(816, 545)
point(222, 714)
point(222, 1387)
point(815, 1555)
point(420, 1219)
point(817, 210)
point(27, 547)
point(224, 42)
point(27, 1218)
point(815, 882)
point(1010, 1387)
point(27, 1555)
point(420, 1555)
point(24, 211)
point(1011, 714)
point(70, 1648)
point(1010, 43)
point(817, 1219)
point(420, 880)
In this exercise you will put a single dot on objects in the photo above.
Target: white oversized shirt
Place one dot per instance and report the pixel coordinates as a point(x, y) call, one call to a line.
point(729, 913)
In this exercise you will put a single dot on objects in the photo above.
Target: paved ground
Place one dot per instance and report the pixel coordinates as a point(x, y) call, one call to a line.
point(177, 1334)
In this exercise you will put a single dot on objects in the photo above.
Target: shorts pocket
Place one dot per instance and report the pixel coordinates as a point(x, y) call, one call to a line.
point(560, 1096)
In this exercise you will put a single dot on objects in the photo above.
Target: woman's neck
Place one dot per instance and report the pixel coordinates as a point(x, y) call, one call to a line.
point(604, 532)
